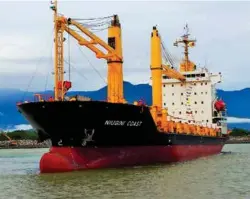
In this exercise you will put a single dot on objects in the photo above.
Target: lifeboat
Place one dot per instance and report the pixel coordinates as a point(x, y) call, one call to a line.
point(220, 105)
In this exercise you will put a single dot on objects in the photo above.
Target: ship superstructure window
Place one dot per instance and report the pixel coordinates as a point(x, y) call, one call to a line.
point(164, 104)
point(201, 84)
point(172, 85)
point(111, 42)
point(202, 93)
point(180, 112)
point(206, 83)
point(202, 102)
point(195, 93)
point(181, 93)
point(181, 103)
point(172, 94)
point(173, 103)
point(195, 112)
point(207, 120)
point(195, 75)
point(205, 92)
point(164, 85)
point(195, 102)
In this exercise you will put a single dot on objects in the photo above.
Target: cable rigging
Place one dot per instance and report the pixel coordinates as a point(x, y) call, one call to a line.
point(167, 55)
point(93, 67)
point(35, 71)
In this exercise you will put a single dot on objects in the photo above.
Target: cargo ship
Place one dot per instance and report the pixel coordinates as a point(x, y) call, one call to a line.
point(185, 121)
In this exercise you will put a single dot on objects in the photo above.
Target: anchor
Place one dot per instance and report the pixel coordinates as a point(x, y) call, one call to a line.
point(88, 137)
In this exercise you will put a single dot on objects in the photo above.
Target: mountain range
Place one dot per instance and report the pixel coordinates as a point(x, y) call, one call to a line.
point(238, 106)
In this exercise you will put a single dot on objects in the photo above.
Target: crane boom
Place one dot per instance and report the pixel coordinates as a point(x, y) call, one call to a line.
point(95, 40)
point(7, 136)
point(12, 142)
point(113, 54)
point(173, 73)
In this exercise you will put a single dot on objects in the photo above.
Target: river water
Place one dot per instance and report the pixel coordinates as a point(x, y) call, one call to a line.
point(221, 176)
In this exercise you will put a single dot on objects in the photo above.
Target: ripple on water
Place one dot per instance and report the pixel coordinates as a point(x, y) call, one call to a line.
point(217, 177)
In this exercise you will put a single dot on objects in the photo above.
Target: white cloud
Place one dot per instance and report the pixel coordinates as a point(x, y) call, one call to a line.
point(19, 127)
point(238, 120)
point(223, 38)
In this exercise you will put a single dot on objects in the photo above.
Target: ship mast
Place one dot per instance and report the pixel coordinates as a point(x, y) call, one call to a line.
point(58, 53)
point(186, 65)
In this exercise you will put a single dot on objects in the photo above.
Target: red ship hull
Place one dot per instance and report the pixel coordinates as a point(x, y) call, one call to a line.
point(65, 159)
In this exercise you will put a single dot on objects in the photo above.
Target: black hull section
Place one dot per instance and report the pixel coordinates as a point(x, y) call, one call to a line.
point(102, 124)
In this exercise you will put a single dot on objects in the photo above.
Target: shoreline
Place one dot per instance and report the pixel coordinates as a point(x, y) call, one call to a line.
point(238, 140)
point(23, 144)
point(31, 144)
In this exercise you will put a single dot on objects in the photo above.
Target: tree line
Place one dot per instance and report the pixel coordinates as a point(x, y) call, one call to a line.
point(20, 135)
point(32, 135)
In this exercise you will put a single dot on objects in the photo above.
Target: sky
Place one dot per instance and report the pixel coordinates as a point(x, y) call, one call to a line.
point(222, 30)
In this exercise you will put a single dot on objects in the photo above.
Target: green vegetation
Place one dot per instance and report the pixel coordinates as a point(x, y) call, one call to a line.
point(20, 135)
point(32, 135)
point(239, 132)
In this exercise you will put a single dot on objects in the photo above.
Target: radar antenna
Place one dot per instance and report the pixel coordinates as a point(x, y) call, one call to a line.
point(186, 64)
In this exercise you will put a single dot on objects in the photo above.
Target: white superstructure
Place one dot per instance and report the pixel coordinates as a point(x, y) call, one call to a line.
point(191, 101)
point(188, 92)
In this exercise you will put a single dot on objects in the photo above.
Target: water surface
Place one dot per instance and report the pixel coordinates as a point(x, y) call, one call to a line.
point(217, 177)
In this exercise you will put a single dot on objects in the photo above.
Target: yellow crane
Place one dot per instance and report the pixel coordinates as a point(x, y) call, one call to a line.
point(158, 69)
point(113, 54)
point(12, 142)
